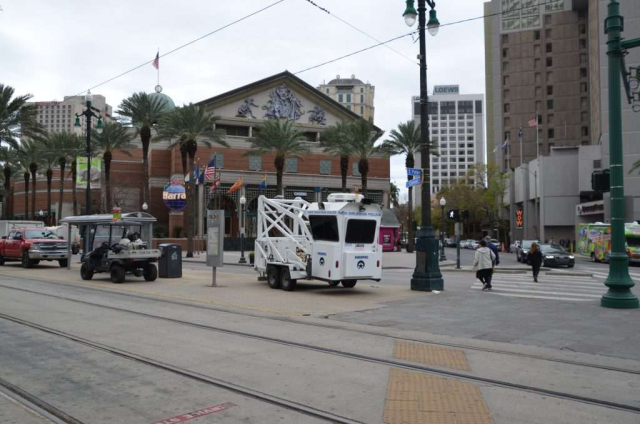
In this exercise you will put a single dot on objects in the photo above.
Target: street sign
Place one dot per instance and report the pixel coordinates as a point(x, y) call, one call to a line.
point(414, 182)
point(416, 172)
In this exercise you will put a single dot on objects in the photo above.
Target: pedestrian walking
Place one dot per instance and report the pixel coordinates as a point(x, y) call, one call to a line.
point(535, 259)
point(494, 249)
point(483, 264)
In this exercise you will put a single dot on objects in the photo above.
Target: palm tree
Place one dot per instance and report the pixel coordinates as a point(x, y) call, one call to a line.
point(190, 125)
point(65, 146)
point(406, 141)
point(7, 157)
point(30, 156)
point(17, 118)
point(364, 136)
point(49, 161)
point(394, 194)
point(114, 136)
point(23, 167)
point(143, 111)
point(335, 142)
point(278, 136)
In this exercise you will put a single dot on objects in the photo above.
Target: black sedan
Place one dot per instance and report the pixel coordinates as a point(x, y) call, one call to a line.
point(554, 255)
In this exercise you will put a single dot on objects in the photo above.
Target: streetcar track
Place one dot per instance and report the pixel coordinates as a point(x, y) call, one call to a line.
point(350, 355)
point(315, 324)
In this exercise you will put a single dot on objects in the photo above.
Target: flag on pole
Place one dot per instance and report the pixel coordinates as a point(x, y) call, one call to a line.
point(156, 61)
point(236, 186)
point(504, 145)
point(187, 177)
point(210, 170)
point(533, 123)
point(215, 185)
point(263, 183)
point(520, 134)
point(196, 174)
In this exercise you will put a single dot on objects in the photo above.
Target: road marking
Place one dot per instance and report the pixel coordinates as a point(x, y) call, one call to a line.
point(431, 355)
point(197, 414)
point(509, 290)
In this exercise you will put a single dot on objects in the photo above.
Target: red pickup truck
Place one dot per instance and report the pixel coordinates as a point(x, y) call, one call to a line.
point(32, 245)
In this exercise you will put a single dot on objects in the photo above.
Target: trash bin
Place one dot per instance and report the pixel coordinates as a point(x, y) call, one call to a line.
point(170, 262)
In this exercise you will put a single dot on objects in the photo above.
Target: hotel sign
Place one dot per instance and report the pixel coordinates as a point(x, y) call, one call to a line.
point(446, 89)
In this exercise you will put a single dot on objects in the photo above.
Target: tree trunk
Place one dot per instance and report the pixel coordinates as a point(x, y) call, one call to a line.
point(74, 194)
point(103, 191)
point(33, 196)
point(49, 179)
point(279, 164)
point(26, 195)
point(7, 189)
point(344, 171)
point(62, 164)
point(145, 137)
point(107, 180)
point(410, 162)
point(191, 204)
point(363, 168)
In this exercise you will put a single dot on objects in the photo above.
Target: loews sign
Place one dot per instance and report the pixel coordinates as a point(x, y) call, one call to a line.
point(446, 89)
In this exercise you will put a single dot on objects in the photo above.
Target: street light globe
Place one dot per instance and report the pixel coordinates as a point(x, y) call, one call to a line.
point(243, 200)
point(410, 14)
point(89, 96)
point(443, 202)
point(145, 206)
point(433, 25)
point(41, 213)
point(99, 127)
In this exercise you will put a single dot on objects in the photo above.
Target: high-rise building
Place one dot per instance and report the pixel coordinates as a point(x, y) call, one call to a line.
point(60, 116)
point(537, 68)
point(353, 94)
point(456, 124)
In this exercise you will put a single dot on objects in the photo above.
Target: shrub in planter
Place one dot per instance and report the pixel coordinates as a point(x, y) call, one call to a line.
point(252, 257)
point(160, 231)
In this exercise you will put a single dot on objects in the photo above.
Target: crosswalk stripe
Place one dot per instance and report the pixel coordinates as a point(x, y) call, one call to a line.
point(596, 289)
point(572, 284)
point(570, 299)
point(594, 296)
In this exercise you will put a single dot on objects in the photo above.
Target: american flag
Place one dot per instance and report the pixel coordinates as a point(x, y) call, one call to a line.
point(210, 170)
point(215, 185)
point(156, 61)
point(533, 123)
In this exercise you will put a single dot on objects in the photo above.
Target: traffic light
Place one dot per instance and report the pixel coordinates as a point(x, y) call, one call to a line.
point(600, 181)
point(454, 215)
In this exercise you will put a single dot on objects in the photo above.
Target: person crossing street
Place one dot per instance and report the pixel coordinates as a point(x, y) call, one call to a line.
point(483, 264)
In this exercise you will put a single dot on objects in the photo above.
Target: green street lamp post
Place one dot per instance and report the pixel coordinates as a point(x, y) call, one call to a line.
point(443, 203)
point(88, 114)
point(619, 282)
point(427, 275)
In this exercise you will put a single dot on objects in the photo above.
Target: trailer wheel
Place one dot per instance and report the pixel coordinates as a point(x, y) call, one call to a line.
point(285, 280)
point(117, 274)
point(349, 283)
point(273, 277)
point(334, 283)
point(85, 272)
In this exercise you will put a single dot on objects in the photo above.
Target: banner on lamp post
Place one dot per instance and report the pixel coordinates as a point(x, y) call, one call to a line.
point(83, 173)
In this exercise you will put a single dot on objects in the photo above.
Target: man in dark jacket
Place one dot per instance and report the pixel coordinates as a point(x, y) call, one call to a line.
point(494, 249)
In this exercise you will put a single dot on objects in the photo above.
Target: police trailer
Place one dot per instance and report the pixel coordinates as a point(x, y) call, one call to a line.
point(334, 241)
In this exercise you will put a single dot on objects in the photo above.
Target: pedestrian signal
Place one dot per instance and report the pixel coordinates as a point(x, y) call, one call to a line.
point(454, 215)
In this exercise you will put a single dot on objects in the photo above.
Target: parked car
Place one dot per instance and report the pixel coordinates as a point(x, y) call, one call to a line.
point(463, 244)
point(450, 242)
point(473, 244)
point(554, 255)
point(523, 250)
point(32, 245)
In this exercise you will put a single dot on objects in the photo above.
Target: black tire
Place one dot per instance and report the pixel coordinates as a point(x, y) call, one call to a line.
point(117, 274)
point(349, 284)
point(1, 261)
point(63, 263)
point(334, 283)
point(286, 282)
point(150, 272)
point(85, 272)
point(570, 266)
point(26, 262)
point(75, 250)
point(273, 277)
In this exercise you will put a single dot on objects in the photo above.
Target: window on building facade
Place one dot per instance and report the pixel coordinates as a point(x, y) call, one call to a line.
point(549, 90)
point(460, 138)
point(362, 98)
point(291, 165)
point(536, 35)
point(466, 106)
point(597, 164)
point(233, 130)
point(548, 33)
point(584, 103)
point(505, 53)
point(547, 19)
point(469, 137)
point(583, 43)
point(433, 108)
point(325, 167)
point(355, 171)
point(549, 48)
point(551, 133)
point(340, 97)
point(255, 163)
point(506, 107)
point(507, 135)
point(361, 110)
point(550, 104)
point(452, 124)
point(327, 91)
point(550, 119)
point(582, 28)
point(585, 131)
point(583, 87)
point(348, 98)
point(549, 62)
point(447, 108)
point(478, 106)
point(583, 72)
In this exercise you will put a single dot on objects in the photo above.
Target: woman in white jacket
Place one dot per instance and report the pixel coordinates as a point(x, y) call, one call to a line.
point(483, 264)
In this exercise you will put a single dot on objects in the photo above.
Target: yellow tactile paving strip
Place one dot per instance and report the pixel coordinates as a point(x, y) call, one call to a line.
point(416, 398)
point(431, 355)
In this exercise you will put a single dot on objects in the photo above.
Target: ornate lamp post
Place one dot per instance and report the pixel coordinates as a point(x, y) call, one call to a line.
point(243, 202)
point(443, 203)
point(426, 276)
point(88, 114)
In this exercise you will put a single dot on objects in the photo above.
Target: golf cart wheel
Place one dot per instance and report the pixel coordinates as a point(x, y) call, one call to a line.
point(349, 283)
point(150, 273)
point(273, 277)
point(334, 283)
point(75, 250)
point(26, 262)
point(117, 274)
point(286, 282)
point(85, 272)
point(63, 263)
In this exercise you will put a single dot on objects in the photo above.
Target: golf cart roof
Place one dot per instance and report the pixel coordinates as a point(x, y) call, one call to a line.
point(136, 218)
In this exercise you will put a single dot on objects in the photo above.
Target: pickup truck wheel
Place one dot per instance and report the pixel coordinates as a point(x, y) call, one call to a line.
point(349, 283)
point(85, 272)
point(150, 273)
point(63, 263)
point(1, 261)
point(117, 274)
point(273, 277)
point(286, 282)
point(26, 262)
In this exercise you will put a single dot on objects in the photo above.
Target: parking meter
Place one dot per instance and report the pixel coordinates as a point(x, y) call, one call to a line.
point(215, 241)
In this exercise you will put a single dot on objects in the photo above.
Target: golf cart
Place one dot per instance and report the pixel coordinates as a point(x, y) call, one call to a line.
point(119, 248)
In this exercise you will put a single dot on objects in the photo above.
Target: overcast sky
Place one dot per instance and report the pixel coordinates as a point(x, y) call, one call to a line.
point(56, 48)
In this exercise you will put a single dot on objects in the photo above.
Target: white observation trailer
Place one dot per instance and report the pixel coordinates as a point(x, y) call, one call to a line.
point(334, 241)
